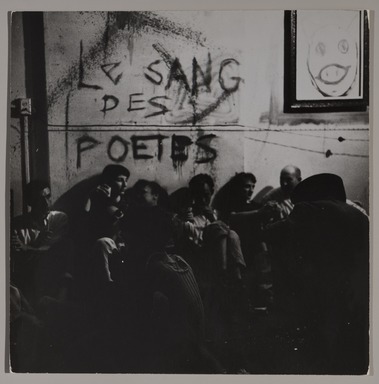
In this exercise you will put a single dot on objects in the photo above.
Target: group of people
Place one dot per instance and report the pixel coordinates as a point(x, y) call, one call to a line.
point(143, 281)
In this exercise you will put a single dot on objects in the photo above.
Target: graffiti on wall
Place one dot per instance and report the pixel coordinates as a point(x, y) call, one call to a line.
point(151, 84)
point(188, 96)
point(145, 147)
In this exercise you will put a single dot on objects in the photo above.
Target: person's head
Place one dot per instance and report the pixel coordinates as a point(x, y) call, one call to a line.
point(38, 197)
point(116, 176)
point(322, 186)
point(242, 186)
point(290, 177)
point(202, 188)
point(147, 193)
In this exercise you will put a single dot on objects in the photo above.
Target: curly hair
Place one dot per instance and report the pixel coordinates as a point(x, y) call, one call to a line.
point(238, 180)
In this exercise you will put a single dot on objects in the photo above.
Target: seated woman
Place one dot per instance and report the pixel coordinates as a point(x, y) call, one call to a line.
point(236, 196)
point(237, 207)
point(215, 257)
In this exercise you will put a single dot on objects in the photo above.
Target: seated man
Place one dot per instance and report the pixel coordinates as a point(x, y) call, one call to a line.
point(111, 192)
point(279, 199)
point(290, 176)
point(40, 250)
point(329, 241)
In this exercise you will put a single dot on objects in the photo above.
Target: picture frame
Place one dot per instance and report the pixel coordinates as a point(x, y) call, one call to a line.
point(326, 61)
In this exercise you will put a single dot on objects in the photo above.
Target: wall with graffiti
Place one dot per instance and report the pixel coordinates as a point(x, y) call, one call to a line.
point(173, 94)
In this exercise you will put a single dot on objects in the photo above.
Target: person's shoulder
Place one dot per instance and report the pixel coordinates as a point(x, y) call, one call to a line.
point(105, 243)
point(57, 217)
point(58, 214)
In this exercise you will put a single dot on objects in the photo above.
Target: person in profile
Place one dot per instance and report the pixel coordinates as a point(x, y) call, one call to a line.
point(93, 218)
point(111, 189)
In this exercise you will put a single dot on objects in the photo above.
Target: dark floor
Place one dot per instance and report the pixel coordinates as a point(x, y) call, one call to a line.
point(266, 341)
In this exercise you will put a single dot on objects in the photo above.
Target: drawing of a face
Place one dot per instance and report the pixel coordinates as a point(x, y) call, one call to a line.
point(332, 61)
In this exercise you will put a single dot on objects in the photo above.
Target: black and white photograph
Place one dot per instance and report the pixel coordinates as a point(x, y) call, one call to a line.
point(188, 192)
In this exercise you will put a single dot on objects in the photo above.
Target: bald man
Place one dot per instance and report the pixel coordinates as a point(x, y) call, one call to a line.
point(272, 267)
point(290, 176)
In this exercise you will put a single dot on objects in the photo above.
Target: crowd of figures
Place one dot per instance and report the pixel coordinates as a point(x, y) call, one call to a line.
point(137, 280)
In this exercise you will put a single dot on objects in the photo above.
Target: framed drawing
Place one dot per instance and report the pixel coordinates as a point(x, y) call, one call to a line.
point(326, 61)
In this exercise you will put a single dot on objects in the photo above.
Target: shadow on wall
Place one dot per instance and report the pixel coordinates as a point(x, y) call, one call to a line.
point(224, 196)
point(259, 196)
point(73, 201)
point(180, 199)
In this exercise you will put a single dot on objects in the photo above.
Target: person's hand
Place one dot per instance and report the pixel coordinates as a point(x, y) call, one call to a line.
point(273, 205)
point(269, 212)
point(271, 209)
point(17, 244)
point(208, 212)
point(187, 214)
point(104, 189)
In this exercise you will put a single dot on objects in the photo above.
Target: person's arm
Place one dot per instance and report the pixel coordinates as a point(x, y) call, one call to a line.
point(254, 216)
point(209, 213)
point(100, 195)
point(19, 246)
point(24, 240)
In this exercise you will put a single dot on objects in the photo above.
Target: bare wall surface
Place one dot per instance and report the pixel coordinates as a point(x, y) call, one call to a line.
point(173, 94)
point(17, 90)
